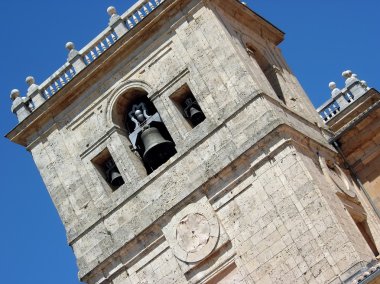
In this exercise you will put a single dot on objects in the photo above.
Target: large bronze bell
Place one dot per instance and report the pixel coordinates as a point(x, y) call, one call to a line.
point(113, 175)
point(196, 116)
point(116, 178)
point(157, 149)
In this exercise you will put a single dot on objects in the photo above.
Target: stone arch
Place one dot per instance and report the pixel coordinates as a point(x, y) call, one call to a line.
point(268, 69)
point(130, 108)
point(120, 98)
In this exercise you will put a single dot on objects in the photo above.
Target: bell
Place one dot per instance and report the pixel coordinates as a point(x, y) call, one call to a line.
point(116, 178)
point(157, 149)
point(113, 175)
point(196, 116)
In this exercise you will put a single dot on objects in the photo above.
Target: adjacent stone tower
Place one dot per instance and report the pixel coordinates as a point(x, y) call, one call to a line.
point(353, 115)
point(178, 147)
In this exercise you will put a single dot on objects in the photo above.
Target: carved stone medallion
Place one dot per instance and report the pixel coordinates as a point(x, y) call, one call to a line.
point(338, 177)
point(193, 233)
point(341, 180)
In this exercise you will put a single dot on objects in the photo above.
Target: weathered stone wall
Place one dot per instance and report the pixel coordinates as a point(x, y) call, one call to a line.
point(165, 64)
point(277, 78)
point(275, 224)
point(267, 212)
point(346, 236)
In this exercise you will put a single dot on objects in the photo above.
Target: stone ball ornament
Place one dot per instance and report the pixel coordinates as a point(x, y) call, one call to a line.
point(332, 85)
point(70, 45)
point(111, 11)
point(347, 74)
point(193, 233)
point(30, 80)
point(14, 94)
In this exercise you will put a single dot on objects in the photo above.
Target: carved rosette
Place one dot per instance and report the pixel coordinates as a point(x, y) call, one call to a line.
point(338, 177)
point(193, 233)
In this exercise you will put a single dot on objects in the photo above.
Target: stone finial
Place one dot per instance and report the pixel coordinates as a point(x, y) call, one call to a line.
point(75, 57)
point(72, 51)
point(354, 85)
point(14, 94)
point(111, 11)
point(347, 74)
point(34, 94)
point(19, 105)
point(334, 90)
point(350, 79)
point(32, 86)
point(332, 85)
point(30, 80)
point(70, 46)
point(116, 23)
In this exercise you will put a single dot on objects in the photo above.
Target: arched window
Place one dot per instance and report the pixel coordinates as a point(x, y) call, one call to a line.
point(268, 70)
point(147, 133)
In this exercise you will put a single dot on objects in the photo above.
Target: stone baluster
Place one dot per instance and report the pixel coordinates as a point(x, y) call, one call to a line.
point(19, 105)
point(130, 25)
point(116, 23)
point(102, 45)
point(92, 55)
point(145, 9)
point(34, 92)
point(109, 43)
point(141, 15)
point(353, 84)
point(74, 58)
point(87, 59)
point(151, 6)
point(135, 19)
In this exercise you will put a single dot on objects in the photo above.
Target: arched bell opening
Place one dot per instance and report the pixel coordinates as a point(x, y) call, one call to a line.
point(122, 103)
point(147, 133)
point(268, 69)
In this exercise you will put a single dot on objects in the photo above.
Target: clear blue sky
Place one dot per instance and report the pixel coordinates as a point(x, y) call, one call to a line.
point(323, 38)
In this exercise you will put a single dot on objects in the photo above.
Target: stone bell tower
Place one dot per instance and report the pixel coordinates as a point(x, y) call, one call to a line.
point(178, 147)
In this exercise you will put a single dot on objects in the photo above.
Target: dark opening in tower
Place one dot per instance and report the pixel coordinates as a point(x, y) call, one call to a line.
point(107, 168)
point(148, 134)
point(187, 104)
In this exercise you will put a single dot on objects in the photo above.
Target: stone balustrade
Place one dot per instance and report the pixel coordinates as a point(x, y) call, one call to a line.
point(57, 80)
point(97, 46)
point(342, 98)
point(22, 107)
